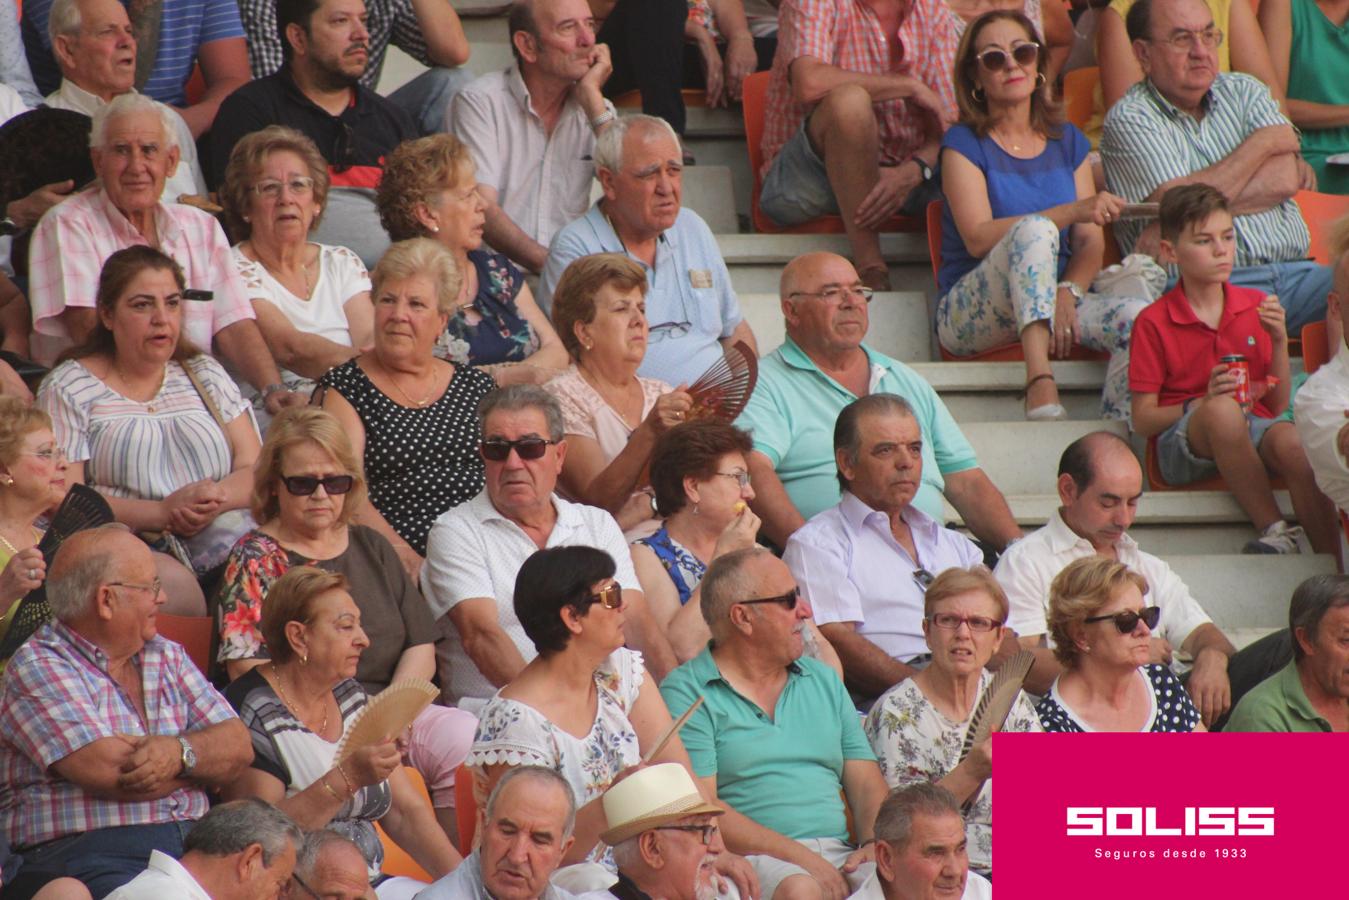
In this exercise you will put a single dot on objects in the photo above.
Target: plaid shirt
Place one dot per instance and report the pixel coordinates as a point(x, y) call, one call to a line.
point(389, 21)
point(847, 34)
point(57, 697)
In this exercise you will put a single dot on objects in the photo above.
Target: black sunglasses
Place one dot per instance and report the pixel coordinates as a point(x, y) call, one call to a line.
point(995, 60)
point(610, 597)
point(1127, 621)
point(923, 578)
point(497, 449)
point(304, 485)
point(788, 600)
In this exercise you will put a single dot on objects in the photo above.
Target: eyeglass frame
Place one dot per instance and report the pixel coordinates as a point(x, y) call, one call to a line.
point(53, 453)
point(306, 183)
point(1152, 612)
point(1186, 39)
point(709, 830)
point(967, 621)
point(610, 596)
point(531, 442)
point(667, 331)
point(155, 587)
point(793, 597)
point(923, 578)
point(1009, 56)
point(325, 480)
point(859, 290)
point(294, 876)
point(742, 478)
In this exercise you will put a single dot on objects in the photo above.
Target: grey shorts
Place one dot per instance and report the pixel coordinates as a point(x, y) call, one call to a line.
point(797, 187)
point(1178, 462)
point(773, 871)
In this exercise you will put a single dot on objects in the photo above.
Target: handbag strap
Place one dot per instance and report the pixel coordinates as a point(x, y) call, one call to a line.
point(210, 405)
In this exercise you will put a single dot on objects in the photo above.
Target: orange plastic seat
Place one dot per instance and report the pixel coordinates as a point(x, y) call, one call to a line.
point(396, 859)
point(193, 632)
point(1315, 346)
point(633, 99)
point(1216, 483)
point(1320, 211)
point(465, 808)
point(1079, 87)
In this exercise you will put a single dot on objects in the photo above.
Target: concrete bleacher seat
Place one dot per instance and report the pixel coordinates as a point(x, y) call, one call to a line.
point(1249, 593)
point(898, 323)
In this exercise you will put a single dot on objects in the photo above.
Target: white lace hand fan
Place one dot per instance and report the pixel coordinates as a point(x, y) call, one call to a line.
point(386, 715)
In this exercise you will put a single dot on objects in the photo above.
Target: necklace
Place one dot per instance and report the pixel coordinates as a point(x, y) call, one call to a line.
point(8, 546)
point(131, 388)
point(276, 679)
point(408, 397)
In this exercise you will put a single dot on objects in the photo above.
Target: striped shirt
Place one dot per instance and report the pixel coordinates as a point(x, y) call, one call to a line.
point(148, 450)
point(1147, 141)
point(57, 697)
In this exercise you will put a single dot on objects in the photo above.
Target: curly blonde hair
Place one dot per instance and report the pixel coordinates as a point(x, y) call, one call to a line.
point(416, 173)
point(17, 421)
point(291, 428)
point(1079, 592)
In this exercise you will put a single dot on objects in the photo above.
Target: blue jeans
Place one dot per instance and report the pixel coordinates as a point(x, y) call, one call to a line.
point(1301, 287)
point(104, 859)
point(427, 97)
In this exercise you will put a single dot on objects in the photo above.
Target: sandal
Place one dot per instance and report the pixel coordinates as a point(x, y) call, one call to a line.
point(876, 277)
point(1050, 412)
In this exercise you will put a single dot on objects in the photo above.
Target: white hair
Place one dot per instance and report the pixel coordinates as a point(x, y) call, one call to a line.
point(125, 105)
point(609, 145)
point(64, 18)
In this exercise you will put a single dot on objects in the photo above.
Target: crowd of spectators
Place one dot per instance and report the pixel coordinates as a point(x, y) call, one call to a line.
point(408, 407)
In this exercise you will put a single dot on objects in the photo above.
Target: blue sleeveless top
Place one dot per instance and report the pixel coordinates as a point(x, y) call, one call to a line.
point(684, 569)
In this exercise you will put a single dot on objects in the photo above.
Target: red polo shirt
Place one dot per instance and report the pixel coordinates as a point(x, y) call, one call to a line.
point(1172, 353)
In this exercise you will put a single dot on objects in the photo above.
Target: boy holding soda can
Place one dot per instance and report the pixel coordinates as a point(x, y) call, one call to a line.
point(1208, 370)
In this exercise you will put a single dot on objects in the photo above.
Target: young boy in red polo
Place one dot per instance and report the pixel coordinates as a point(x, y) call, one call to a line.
point(1189, 396)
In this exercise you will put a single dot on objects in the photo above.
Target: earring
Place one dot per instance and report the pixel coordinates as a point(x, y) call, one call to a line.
point(977, 94)
point(695, 507)
point(435, 229)
point(1040, 79)
point(304, 660)
point(248, 218)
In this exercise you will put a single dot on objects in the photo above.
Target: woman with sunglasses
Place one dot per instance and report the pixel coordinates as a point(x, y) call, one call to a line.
point(584, 706)
point(307, 486)
point(312, 300)
point(1021, 241)
point(412, 418)
point(918, 727)
point(1101, 627)
point(612, 417)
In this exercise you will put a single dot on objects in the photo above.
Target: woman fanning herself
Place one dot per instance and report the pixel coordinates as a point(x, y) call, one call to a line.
point(918, 727)
point(297, 707)
point(1021, 227)
point(1101, 627)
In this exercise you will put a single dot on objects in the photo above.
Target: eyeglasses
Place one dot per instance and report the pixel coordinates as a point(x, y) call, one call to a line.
point(297, 880)
point(304, 485)
point(952, 622)
point(667, 331)
point(1127, 621)
point(47, 454)
point(788, 600)
point(498, 449)
point(923, 578)
point(706, 832)
point(1211, 37)
point(300, 185)
point(610, 596)
point(741, 478)
point(837, 293)
point(995, 59)
point(153, 587)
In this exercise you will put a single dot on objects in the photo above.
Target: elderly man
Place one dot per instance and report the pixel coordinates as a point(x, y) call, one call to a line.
point(1186, 123)
point(920, 849)
point(330, 867)
point(858, 101)
point(318, 92)
point(244, 850)
point(531, 129)
point(852, 560)
point(96, 50)
point(134, 149)
point(430, 33)
point(109, 734)
point(1099, 484)
point(821, 367)
point(527, 829)
point(1311, 693)
point(777, 738)
point(475, 550)
point(691, 307)
point(1322, 403)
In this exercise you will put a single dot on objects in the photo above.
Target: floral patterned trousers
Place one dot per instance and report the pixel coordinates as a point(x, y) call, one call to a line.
point(1015, 286)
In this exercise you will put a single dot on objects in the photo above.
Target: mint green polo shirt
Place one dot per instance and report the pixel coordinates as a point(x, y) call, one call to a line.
point(785, 772)
point(1277, 704)
point(791, 415)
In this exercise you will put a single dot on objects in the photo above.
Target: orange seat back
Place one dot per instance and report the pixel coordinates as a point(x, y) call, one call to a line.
point(193, 632)
point(934, 236)
point(465, 808)
point(1315, 346)
point(752, 97)
point(1079, 88)
point(1320, 211)
point(396, 859)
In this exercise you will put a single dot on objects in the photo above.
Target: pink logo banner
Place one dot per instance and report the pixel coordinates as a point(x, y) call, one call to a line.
point(1163, 816)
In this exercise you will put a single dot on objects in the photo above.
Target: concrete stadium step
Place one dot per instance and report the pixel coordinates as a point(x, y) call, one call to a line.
point(484, 21)
point(714, 151)
point(710, 192)
point(1022, 457)
point(1248, 591)
point(756, 260)
point(898, 323)
point(991, 391)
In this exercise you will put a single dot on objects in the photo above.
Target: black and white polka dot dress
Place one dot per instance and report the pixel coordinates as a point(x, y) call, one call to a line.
point(418, 462)
point(1172, 709)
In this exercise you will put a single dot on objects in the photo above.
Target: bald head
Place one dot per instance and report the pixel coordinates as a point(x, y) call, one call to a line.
point(87, 560)
point(332, 866)
point(824, 313)
point(805, 270)
point(1100, 482)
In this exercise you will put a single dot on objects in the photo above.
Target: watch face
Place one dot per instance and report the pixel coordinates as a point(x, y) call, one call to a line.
point(8, 228)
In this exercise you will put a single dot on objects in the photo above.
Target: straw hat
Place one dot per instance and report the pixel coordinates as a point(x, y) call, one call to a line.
point(653, 796)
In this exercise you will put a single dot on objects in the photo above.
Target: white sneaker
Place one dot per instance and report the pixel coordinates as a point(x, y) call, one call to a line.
point(1278, 538)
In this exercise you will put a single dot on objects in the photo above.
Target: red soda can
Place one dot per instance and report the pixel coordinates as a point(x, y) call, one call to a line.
point(1238, 364)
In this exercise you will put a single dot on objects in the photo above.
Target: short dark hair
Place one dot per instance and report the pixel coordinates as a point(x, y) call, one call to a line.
point(298, 12)
point(581, 281)
point(1311, 601)
point(521, 18)
point(552, 580)
point(691, 450)
point(1077, 457)
point(1189, 204)
point(119, 270)
point(1138, 23)
point(847, 428)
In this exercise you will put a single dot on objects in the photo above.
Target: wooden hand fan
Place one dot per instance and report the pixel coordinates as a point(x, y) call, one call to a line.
point(722, 391)
point(995, 706)
point(386, 715)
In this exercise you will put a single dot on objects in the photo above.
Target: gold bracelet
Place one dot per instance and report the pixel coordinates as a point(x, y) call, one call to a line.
point(329, 788)
point(343, 772)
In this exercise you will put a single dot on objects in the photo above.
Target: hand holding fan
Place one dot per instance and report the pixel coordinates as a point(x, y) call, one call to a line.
point(722, 391)
point(995, 705)
point(386, 715)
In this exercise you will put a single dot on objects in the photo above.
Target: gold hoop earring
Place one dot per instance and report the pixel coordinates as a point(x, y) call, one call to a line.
point(1040, 79)
point(977, 94)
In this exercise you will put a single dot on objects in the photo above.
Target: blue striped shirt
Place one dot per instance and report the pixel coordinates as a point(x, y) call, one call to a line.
point(1147, 141)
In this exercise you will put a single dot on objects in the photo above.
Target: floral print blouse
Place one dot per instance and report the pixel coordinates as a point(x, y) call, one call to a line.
point(502, 334)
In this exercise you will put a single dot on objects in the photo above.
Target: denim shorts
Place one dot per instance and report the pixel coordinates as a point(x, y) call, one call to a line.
point(797, 187)
point(1179, 464)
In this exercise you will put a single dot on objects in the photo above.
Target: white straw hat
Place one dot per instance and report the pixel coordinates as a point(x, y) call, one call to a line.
point(653, 796)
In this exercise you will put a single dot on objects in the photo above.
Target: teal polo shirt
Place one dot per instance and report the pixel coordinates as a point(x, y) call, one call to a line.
point(1277, 704)
point(791, 415)
point(785, 772)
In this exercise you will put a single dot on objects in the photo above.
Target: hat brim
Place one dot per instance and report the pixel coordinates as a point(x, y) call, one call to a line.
point(637, 826)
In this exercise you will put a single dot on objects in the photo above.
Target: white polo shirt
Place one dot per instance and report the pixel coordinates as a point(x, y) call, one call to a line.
point(977, 887)
point(1318, 412)
point(164, 877)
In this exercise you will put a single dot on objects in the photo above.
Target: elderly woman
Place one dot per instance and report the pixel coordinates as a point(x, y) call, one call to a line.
point(1021, 237)
point(1101, 628)
point(296, 709)
point(153, 424)
point(701, 485)
point(32, 482)
point(918, 727)
point(312, 300)
point(307, 485)
point(429, 189)
point(584, 706)
point(411, 417)
point(611, 416)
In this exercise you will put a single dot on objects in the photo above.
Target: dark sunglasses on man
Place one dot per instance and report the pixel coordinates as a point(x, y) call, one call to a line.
point(498, 449)
point(788, 600)
point(1127, 620)
point(304, 485)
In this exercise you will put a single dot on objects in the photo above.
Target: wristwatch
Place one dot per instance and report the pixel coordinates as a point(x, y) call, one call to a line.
point(922, 167)
point(189, 756)
point(1072, 288)
point(8, 227)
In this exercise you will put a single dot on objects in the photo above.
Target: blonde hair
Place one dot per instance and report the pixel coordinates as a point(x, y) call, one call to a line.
point(291, 428)
point(955, 581)
point(17, 421)
point(1080, 591)
point(291, 599)
point(416, 172)
point(419, 257)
